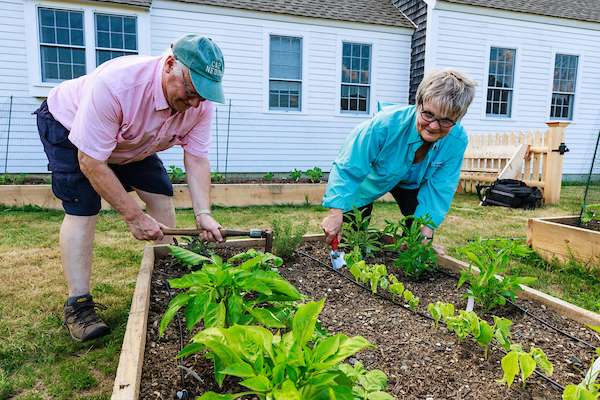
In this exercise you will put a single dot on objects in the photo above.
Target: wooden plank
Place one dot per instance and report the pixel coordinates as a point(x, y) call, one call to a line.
point(551, 238)
point(562, 307)
point(537, 166)
point(129, 371)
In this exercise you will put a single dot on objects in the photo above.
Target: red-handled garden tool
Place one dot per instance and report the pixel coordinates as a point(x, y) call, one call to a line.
point(337, 257)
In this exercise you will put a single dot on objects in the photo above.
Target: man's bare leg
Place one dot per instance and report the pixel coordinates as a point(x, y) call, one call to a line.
point(76, 244)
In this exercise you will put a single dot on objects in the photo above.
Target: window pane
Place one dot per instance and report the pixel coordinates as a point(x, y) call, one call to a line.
point(79, 56)
point(103, 39)
point(346, 49)
point(116, 24)
point(64, 54)
point(48, 35)
point(46, 17)
point(285, 58)
point(130, 42)
point(76, 20)
point(284, 95)
point(49, 54)
point(77, 37)
point(102, 22)
point(78, 70)
point(129, 25)
point(116, 40)
point(64, 71)
point(62, 19)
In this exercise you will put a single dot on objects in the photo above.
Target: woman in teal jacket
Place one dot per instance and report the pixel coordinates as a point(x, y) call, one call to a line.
point(413, 152)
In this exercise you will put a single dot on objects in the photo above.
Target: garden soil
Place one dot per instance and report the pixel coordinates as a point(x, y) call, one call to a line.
point(421, 361)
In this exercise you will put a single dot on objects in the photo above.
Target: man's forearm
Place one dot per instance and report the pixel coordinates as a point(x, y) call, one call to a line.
point(198, 179)
point(108, 186)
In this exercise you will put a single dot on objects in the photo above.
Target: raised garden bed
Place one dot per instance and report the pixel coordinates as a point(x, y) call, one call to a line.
point(563, 238)
point(421, 361)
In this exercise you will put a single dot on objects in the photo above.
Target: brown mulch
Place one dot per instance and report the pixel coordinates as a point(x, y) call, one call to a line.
point(421, 361)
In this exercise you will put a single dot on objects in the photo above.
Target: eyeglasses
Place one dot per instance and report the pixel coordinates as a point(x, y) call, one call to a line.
point(443, 122)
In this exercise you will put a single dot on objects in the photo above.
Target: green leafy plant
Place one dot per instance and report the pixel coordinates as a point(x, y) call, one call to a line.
point(217, 177)
point(296, 175)
point(591, 212)
point(374, 275)
point(517, 361)
point(487, 289)
point(589, 388)
point(223, 294)
point(268, 177)
point(366, 385)
point(468, 324)
point(280, 367)
point(314, 174)
point(287, 237)
point(358, 234)
point(415, 256)
point(176, 174)
point(397, 289)
point(13, 179)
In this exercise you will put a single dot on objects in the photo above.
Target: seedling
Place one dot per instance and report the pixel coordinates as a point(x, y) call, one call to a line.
point(416, 255)
point(358, 234)
point(488, 290)
point(295, 175)
point(314, 174)
point(367, 385)
point(520, 362)
point(268, 177)
point(176, 174)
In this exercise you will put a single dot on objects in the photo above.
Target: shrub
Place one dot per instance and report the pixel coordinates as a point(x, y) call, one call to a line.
point(287, 238)
point(268, 177)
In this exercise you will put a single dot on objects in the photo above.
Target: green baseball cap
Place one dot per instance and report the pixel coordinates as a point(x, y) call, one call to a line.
point(205, 61)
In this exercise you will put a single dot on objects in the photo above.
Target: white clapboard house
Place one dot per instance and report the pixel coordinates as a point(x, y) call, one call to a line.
point(301, 73)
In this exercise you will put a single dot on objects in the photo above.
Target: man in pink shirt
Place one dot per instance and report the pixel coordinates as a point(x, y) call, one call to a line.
point(101, 132)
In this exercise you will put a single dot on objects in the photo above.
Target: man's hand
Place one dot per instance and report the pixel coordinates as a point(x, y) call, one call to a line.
point(210, 228)
point(144, 227)
point(332, 225)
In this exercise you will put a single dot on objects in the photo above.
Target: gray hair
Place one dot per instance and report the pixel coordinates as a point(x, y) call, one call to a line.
point(177, 66)
point(449, 90)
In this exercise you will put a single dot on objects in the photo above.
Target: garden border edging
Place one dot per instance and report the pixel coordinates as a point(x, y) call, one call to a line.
point(129, 370)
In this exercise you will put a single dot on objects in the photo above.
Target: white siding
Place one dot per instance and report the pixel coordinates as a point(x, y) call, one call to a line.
point(462, 39)
point(260, 140)
point(25, 153)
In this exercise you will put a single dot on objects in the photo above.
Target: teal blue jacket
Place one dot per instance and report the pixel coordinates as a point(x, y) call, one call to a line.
point(378, 155)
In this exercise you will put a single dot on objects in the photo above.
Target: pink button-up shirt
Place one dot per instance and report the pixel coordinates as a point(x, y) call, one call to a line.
point(119, 113)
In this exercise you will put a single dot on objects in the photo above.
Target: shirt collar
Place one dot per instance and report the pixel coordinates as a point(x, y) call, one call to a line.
point(160, 101)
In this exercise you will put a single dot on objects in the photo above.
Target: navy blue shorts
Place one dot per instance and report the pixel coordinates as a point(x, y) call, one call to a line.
point(72, 187)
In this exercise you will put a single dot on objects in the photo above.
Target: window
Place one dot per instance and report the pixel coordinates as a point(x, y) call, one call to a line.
point(356, 77)
point(563, 86)
point(285, 73)
point(62, 47)
point(115, 36)
point(500, 82)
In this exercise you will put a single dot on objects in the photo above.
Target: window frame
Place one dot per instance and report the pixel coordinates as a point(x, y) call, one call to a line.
point(551, 83)
point(267, 73)
point(123, 50)
point(515, 85)
point(38, 88)
point(371, 103)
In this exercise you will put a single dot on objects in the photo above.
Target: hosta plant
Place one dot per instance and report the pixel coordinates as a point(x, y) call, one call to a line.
point(280, 367)
point(367, 385)
point(223, 294)
point(487, 289)
point(416, 255)
point(522, 363)
point(358, 234)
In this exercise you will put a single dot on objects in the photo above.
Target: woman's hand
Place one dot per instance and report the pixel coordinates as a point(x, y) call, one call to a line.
point(332, 225)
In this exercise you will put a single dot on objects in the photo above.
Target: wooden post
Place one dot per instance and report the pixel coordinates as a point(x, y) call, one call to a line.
point(554, 160)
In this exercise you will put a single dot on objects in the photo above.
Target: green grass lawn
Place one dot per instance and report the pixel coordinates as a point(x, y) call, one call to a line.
point(38, 359)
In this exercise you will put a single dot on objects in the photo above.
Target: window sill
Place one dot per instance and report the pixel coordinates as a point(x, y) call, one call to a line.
point(41, 89)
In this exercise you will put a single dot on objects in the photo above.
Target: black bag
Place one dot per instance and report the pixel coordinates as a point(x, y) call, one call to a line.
point(509, 193)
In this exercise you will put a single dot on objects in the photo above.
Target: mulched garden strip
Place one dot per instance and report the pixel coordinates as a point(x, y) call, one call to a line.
point(421, 361)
